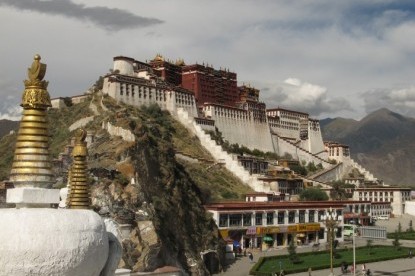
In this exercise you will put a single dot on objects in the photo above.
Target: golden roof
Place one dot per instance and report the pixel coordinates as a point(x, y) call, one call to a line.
point(158, 57)
point(180, 62)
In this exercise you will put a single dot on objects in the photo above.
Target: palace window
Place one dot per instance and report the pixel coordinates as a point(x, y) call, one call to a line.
point(247, 219)
point(258, 219)
point(291, 217)
point(235, 220)
point(301, 216)
point(270, 218)
point(223, 220)
point(321, 234)
point(311, 216)
point(281, 216)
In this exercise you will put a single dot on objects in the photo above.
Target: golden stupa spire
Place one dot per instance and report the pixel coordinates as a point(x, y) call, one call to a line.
point(31, 165)
point(79, 195)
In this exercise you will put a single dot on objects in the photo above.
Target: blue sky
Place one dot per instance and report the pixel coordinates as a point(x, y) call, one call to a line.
point(327, 58)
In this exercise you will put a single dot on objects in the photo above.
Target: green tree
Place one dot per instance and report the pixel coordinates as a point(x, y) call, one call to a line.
point(298, 169)
point(292, 252)
point(99, 83)
point(311, 167)
point(369, 245)
point(410, 228)
point(313, 194)
point(338, 191)
point(395, 241)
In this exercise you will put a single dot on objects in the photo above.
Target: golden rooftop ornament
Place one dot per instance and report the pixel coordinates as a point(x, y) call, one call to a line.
point(79, 195)
point(31, 165)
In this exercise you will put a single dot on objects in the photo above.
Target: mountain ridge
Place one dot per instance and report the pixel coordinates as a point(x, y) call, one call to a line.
point(382, 142)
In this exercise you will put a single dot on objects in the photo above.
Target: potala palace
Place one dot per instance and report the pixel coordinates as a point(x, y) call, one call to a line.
point(38, 238)
point(204, 98)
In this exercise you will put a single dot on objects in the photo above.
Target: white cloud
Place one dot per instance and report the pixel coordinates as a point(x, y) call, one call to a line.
point(400, 100)
point(13, 113)
point(295, 94)
point(346, 47)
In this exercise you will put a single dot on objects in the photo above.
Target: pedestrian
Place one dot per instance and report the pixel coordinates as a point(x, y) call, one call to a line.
point(309, 271)
point(344, 267)
point(363, 269)
point(251, 257)
point(410, 253)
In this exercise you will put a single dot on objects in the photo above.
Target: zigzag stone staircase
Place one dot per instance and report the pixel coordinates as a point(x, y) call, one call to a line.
point(219, 154)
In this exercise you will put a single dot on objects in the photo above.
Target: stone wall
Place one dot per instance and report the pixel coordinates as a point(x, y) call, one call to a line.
point(81, 123)
point(125, 134)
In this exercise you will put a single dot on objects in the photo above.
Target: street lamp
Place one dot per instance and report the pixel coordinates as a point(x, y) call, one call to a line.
point(354, 250)
point(331, 220)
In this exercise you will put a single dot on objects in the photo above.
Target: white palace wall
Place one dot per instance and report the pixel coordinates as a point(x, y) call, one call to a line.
point(145, 92)
point(290, 132)
point(315, 140)
point(282, 147)
point(238, 127)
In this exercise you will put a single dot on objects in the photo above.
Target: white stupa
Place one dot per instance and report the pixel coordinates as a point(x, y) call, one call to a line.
point(36, 239)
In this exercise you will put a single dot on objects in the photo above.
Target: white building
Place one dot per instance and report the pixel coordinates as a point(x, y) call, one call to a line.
point(132, 82)
point(260, 224)
point(397, 197)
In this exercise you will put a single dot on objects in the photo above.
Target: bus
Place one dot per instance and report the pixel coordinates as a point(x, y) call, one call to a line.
point(348, 230)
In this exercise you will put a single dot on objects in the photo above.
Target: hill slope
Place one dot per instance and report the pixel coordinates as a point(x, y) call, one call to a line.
point(6, 126)
point(168, 193)
point(383, 142)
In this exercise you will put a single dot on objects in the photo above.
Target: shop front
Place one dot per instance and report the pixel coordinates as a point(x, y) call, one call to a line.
point(276, 236)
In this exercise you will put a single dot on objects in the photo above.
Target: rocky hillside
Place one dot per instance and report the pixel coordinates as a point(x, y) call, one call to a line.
point(6, 126)
point(165, 204)
point(383, 142)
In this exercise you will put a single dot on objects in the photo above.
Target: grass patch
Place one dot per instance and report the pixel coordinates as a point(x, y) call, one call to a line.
point(187, 143)
point(402, 235)
point(321, 260)
point(216, 182)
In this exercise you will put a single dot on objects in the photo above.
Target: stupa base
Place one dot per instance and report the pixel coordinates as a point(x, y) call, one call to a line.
point(32, 197)
point(44, 241)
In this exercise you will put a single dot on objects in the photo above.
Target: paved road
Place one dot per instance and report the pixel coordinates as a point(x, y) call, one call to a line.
point(392, 224)
point(401, 267)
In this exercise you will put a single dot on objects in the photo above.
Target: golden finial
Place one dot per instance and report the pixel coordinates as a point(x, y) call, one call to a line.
point(180, 62)
point(79, 195)
point(31, 165)
point(159, 57)
point(37, 71)
point(35, 94)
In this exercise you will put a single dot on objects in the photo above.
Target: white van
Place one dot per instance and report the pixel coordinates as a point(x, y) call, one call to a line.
point(382, 217)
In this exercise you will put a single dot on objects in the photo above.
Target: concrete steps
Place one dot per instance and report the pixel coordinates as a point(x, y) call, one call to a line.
point(219, 154)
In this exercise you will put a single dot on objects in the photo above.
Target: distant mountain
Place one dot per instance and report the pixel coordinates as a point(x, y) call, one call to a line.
point(6, 126)
point(383, 142)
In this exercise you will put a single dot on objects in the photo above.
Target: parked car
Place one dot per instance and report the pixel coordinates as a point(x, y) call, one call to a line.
point(382, 217)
